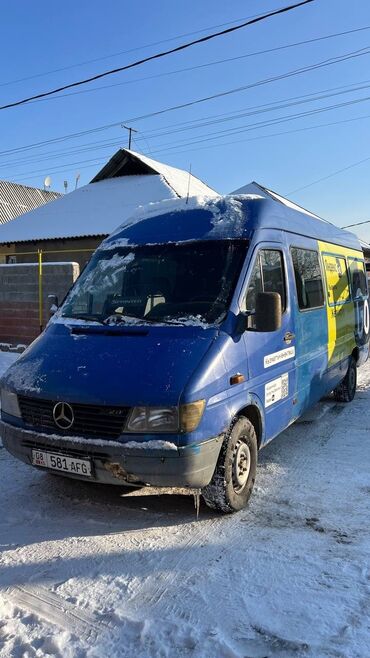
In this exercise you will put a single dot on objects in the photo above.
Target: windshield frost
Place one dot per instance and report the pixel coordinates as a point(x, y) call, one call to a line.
point(158, 283)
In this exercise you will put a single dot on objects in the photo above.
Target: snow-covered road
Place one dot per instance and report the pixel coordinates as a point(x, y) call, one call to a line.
point(88, 570)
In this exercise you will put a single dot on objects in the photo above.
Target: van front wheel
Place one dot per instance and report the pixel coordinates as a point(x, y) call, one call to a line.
point(235, 473)
point(345, 391)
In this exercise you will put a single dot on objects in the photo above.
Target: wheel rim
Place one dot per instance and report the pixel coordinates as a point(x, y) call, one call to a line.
point(241, 466)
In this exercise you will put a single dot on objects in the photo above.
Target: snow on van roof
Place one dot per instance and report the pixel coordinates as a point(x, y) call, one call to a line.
point(222, 217)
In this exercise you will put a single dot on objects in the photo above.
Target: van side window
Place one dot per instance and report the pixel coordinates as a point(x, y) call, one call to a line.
point(336, 278)
point(273, 273)
point(358, 278)
point(267, 276)
point(255, 286)
point(308, 278)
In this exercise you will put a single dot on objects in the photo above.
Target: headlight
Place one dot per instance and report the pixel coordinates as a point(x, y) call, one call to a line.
point(153, 419)
point(185, 418)
point(9, 403)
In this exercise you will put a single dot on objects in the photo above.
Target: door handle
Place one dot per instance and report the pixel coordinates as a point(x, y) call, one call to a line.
point(288, 337)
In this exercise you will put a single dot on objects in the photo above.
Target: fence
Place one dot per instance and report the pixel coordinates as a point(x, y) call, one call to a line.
point(25, 290)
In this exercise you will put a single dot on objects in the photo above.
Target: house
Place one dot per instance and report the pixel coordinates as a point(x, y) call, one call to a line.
point(43, 251)
point(72, 227)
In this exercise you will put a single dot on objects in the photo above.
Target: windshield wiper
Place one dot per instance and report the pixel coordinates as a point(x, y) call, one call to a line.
point(83, 316)
point(125, 319)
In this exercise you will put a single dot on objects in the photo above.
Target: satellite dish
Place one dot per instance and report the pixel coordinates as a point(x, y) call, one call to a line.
point(47, 182)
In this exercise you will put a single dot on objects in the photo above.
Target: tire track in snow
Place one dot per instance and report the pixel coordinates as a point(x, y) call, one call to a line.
point(49, 607)
point(150, 595)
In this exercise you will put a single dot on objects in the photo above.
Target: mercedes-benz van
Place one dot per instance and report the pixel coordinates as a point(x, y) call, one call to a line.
point(196, 334)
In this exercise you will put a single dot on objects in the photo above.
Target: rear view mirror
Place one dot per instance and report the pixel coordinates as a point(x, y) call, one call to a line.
point(53, 301)
point(268, 311)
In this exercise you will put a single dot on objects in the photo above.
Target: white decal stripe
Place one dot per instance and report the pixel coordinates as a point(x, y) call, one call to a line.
point(278, 357)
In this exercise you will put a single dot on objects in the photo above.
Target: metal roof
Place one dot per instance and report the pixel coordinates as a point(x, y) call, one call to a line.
point(17, 199)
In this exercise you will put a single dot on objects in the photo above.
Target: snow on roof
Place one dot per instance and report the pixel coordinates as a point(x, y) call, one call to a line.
point(127, 181)
point(95, 209)
point(125, 162)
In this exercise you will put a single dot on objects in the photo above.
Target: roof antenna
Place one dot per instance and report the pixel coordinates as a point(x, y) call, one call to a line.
point(187, 195)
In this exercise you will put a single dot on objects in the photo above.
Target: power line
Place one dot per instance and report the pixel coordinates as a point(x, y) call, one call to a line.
point(329, 62)
point(124, 52)
point(239, 130)
point(334, 173)
point(67, 167)
point(165, 53)
point(260, 124)
point(218, 134)
point(205, 121)
point(201, 66)
point(260, 109)
point(276, 134)
point(82, 133)
point(357, 224)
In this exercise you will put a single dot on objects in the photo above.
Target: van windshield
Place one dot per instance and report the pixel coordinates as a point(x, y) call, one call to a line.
point(175, 282)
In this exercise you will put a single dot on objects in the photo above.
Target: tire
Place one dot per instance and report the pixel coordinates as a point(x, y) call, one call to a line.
point(235, 472)
point(346, 390)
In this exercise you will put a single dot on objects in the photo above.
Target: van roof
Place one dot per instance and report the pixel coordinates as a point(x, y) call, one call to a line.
point(234, 216)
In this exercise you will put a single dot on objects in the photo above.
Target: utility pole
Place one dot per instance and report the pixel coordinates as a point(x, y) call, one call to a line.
point(130, 131)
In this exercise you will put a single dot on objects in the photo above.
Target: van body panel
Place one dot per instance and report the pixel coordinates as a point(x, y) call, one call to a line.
point(150, 367)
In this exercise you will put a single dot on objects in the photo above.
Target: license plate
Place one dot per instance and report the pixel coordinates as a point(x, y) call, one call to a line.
point(59, 462)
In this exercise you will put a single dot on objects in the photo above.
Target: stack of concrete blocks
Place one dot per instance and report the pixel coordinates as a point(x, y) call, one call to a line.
point(19, 298)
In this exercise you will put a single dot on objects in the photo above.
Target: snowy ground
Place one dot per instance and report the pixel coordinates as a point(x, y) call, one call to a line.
point(88, 570)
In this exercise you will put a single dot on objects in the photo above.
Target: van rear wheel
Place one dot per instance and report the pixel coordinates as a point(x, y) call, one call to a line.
point(346, 390)
point(235, 473)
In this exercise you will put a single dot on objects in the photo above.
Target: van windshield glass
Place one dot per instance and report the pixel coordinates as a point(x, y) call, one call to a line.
point(158, 283)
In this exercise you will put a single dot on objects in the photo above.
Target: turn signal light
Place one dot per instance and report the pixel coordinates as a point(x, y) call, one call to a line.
point(190, 415)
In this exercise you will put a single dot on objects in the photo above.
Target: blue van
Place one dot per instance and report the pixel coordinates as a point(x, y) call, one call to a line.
point(196, 334)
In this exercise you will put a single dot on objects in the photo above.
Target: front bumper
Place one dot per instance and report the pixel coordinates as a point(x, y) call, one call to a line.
point(191, 466)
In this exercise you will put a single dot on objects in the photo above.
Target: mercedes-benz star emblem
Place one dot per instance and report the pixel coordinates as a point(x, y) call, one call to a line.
point(63, 415)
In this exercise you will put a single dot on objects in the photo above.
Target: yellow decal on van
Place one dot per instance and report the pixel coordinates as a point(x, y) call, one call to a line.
point(339, 304)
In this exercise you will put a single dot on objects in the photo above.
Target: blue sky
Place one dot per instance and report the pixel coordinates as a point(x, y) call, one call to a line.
point(40, 37)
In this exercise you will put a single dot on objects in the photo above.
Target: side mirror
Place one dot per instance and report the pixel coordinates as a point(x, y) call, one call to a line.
point(268, 311)
point(53, 300)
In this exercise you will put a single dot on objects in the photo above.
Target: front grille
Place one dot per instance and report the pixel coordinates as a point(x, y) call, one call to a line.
point(89, 420)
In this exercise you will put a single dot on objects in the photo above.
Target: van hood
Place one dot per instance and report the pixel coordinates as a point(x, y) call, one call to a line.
point(140, 365)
